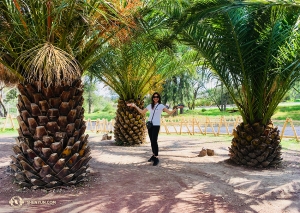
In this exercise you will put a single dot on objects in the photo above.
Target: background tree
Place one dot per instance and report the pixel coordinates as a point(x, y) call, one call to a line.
point(254, 49)
point(198, 81)
point(179, 88)
point(47, 45)
point(7, 80)
point(89, 91)
point(218, 95)
point(294, 93)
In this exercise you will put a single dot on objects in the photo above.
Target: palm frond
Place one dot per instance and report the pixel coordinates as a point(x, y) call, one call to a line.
point(133, 69)
point(80, 28)
point(253, 50)
point(47, 63)
point(7, 77)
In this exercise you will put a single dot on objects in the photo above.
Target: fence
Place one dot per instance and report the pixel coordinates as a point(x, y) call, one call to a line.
point(178, 125)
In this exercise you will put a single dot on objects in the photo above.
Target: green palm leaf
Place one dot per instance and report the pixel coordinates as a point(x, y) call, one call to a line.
point(135, 68)
point(79, 28)
point(254, 51)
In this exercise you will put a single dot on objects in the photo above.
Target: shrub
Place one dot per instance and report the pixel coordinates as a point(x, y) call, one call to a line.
point(108, 108)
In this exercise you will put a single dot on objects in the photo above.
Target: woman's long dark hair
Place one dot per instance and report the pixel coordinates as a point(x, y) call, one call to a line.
point(159, 99)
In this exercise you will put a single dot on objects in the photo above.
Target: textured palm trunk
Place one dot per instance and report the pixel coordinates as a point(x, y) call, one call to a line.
point(256, 145)
point(52, 148)
point(130, 126)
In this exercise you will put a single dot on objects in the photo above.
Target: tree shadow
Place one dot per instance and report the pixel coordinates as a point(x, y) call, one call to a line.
point(121, 180)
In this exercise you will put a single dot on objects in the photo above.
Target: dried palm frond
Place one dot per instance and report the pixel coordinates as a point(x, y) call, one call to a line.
point(49, 64)
point(7, 77)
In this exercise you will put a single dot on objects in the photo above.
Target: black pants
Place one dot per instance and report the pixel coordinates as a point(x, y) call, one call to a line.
point(153, 135)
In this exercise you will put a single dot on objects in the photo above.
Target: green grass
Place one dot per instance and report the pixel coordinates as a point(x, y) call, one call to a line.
point(101, 115)
point(8, 132)
point(283, 112)
point(290, 144)
point(210, 112)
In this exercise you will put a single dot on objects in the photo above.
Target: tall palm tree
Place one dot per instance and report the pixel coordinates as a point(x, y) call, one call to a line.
point(136, 66)
point(132, 70)
point(254, 48)
point(47, 44)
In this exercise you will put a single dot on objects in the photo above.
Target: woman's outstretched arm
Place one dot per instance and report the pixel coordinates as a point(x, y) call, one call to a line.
point(174, 110)
point(142, 111)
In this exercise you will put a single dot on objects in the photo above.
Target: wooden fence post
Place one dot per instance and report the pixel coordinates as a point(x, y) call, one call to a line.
point(284, 126)
point(222, 120)
point(89, 123)
point(289, 120)
point(186, 122)
point(211, 125)
point(193, 123)
point(165, 125)
point(8, 119)
point(97, 126)
point(198, 124)
point(294, 130)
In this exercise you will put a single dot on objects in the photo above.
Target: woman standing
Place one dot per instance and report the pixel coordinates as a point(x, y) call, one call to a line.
point(156, 109)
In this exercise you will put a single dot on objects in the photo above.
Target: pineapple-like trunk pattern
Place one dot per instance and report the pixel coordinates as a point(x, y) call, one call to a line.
point(51, 149)
point(256, 145)
point(130, 126)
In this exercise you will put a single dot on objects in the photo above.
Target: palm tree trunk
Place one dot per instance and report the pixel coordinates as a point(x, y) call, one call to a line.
point(52, 148)
point(130, 124)
point(256, 145)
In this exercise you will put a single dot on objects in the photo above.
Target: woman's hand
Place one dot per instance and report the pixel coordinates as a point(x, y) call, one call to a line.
point(142, 111)
point(131, 105)
point(178, 107)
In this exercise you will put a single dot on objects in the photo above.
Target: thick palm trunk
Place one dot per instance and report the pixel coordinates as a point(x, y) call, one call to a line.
point(130, 124)
point(51, 149)
point(256, 145)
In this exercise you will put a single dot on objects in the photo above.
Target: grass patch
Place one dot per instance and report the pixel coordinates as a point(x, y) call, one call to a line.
point(8, 132)
point(100, 115)
point(290, 144)
point(283, 112)
point(210, 112)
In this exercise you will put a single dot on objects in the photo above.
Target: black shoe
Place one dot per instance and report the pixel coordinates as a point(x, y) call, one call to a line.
point(156, 161)
point(151, 159)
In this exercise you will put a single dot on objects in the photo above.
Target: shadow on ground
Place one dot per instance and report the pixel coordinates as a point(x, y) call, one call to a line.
point(121, 180)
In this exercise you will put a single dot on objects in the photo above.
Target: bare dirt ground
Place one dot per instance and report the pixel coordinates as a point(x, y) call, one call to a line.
point(121, 180)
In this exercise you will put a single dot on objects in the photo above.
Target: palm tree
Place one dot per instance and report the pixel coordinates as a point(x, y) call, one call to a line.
point(254, 48)
point(47, 45)
point(132, 70)
point(90, 88)
point(136, 66)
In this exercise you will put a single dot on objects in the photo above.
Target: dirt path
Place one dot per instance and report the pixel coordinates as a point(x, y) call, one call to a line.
point(121, 180)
